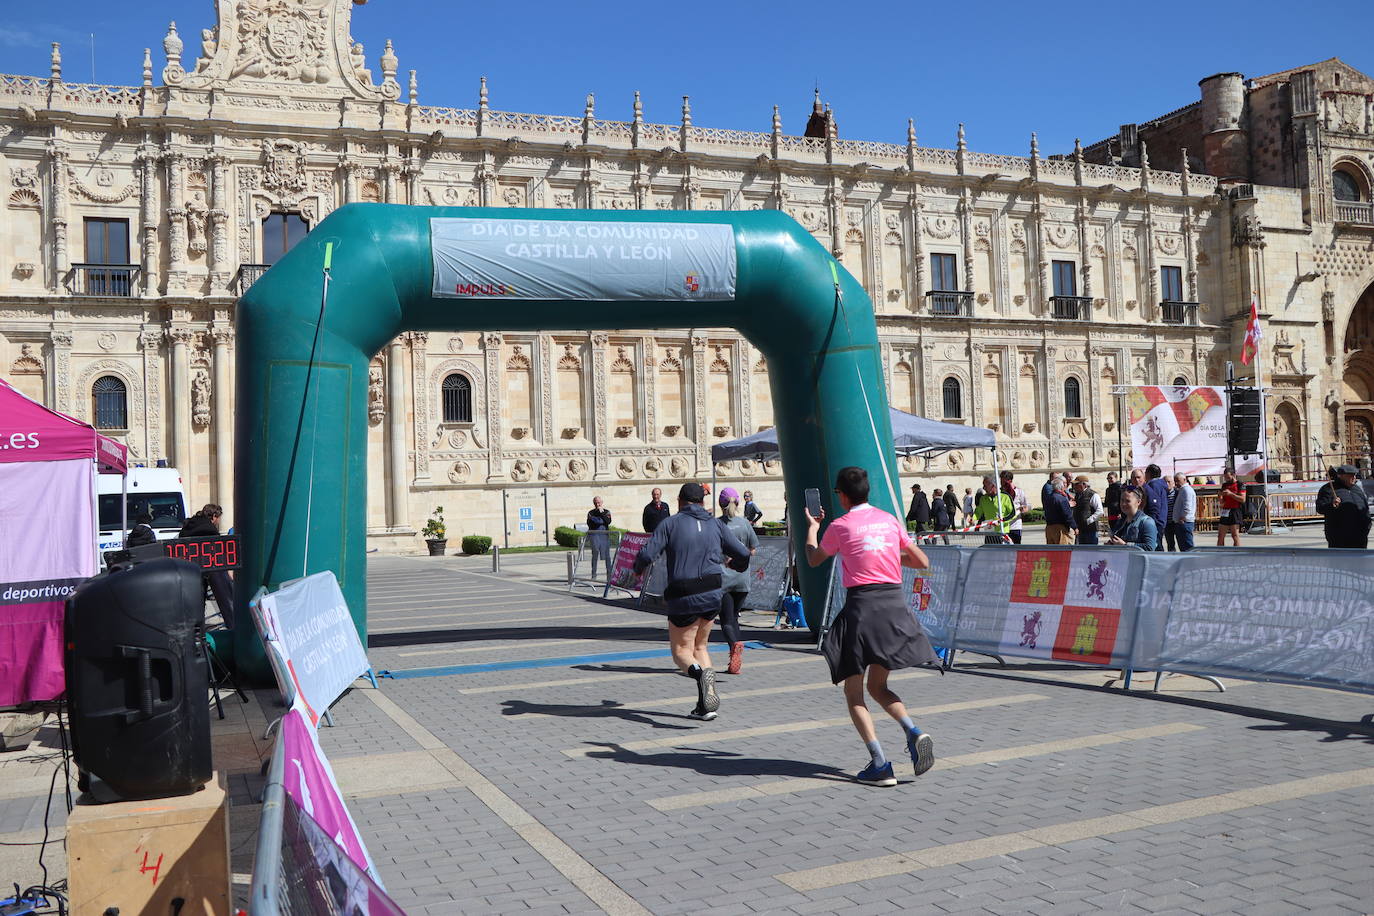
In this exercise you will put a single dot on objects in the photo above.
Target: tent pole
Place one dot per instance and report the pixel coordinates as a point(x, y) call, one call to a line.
point(123, 506)
point(997, 497)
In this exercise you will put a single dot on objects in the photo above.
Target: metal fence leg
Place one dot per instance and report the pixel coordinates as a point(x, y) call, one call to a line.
point(495, 559)
point(570, 571)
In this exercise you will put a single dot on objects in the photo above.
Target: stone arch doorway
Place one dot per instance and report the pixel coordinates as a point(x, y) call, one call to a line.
point(301, 424)
point(1285, 446)
point(1355, 424)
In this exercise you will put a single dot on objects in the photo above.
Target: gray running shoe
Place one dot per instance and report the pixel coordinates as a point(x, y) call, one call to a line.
point(703, 715)
point(706, 691)
point(922, 750)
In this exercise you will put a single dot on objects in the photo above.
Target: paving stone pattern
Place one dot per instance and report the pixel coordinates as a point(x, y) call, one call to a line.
point(445, 851)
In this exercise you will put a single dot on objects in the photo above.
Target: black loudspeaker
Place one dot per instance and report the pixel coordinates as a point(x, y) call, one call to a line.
point(138, 678)
point(1243, 421)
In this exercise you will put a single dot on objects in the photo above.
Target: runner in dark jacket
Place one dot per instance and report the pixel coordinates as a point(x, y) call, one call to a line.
point(696, 546)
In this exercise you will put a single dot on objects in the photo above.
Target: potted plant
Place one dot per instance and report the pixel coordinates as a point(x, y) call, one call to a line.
point(435, 532)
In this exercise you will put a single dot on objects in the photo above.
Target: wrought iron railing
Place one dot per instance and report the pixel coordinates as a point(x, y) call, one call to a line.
point(1071, 308)
point(1174, 311)
point(114, 280)
point(248, 275)
point(950, 303)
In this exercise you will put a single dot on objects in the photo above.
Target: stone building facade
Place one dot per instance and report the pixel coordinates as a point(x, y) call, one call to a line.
point(1011, 292)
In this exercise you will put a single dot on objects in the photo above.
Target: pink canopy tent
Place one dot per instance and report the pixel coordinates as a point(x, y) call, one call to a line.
point(48, 463)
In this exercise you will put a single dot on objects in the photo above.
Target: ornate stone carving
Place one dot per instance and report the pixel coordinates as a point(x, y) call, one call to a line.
point(200, 399)
point(678, 466)
point(457, 439)
point(940, 227)
point(625, 468)
point(460, 472)
point(105, 340)
point(550, 469)
point(653, 468)
point(577, 469)
point(283, 170)
point(376, 403)
point(522, 470)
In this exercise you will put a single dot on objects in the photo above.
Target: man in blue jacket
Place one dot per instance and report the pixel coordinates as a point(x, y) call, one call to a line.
point(697, 545)
point(1157, 492)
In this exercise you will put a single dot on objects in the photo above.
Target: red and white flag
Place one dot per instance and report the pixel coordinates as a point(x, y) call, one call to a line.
point(1253, 334)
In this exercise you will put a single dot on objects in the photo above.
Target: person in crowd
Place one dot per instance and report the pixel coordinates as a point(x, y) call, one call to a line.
point(1182, 514)
point(941, 518)
point(993, 505)
point(1111, 498)
point(142, 532)
point(654, 513)
point(1059, 522)
point(920, 508)
point(696, 545)
point(752, 512)
point(1087, 510)
point(599, 534)
point(1345, 508)
point(1134, 528)
point(1019, 502)
point(1157, 491)
point(205, 524)
point(952, 502)
point(874, 633)
point(1232, 499)
point(969, 504)
point(1047, 491)
point(734, 584)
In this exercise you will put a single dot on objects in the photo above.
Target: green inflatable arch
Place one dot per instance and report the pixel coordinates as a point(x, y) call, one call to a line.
point(301, 438)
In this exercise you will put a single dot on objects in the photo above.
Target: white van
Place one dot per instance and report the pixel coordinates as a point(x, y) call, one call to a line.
point(156, 491)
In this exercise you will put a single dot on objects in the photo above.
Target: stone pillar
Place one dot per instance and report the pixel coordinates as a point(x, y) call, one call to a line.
point(398, 482)
point(62, 369)
point(701, 430)
point(179, 338)
point(58, 217)
point(176, 222)
point(496, 464)
point(221, 270)
point(390, 170)
point(419, 389)
point(601, 435)
point(223, 336)
point(150, 340)
point(148, 219)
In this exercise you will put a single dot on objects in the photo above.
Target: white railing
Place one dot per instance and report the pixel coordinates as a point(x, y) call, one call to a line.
point(1348, 211)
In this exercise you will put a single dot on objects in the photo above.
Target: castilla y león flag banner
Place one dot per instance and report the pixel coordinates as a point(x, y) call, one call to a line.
point(1183, 430)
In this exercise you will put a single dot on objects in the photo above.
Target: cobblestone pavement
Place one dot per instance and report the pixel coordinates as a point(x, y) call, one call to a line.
point(545, 762)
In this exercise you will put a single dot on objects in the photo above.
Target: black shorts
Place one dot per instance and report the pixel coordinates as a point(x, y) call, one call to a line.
point(686, 620)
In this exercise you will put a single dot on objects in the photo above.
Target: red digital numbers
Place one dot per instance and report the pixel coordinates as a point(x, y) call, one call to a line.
point(207, 553)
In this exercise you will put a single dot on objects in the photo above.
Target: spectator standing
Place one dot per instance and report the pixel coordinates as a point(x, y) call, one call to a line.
point(205, 523)
point(1059, 523)
point(752, 512)
point(1087, 510)
point(874, 633)
point(941, 519)
point(1018, 502)
point(1047, 491)
point(599, 534)
point(696, 545)
point(734, 583)
point(1111, 499)
point(1183, 513)
point(968, 506)
point(993, 505)
point(1158, 506)
point(142, 532)
point(952, 502)
point(1343, 504)
point(655, 512)
point(920, 508)
point(1134, 528)
point(1232, 500)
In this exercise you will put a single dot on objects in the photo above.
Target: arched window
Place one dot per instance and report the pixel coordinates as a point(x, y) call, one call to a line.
point(110, 403)
point(1073, 400)
point(1345, 186)
point(1180, 382)
point(457, 399)
point(280, 233)
point(953, 398)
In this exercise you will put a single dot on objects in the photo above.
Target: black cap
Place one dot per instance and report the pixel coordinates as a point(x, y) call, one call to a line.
point(692, 493)
point(1347, 469)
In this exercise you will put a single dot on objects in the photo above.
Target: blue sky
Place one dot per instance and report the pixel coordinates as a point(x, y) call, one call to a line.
point(1003, 68)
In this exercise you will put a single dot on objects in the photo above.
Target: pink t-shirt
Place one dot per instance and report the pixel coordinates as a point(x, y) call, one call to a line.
point(870, 541)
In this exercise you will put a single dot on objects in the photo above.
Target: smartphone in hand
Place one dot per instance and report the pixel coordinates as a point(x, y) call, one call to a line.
point(813, 502)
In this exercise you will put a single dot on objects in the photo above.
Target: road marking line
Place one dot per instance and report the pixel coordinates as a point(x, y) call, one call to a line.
point(704, 736)
point(726, 695)
point(600, 889)
point(806, 783)
point(593, 679)
point(484, 621)
point(498, 648)
point(813, 879)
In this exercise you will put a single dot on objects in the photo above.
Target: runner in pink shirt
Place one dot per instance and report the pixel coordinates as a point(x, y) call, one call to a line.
point(874, 633)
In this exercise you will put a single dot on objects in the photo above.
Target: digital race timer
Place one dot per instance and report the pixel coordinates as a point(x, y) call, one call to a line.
point(218, 552)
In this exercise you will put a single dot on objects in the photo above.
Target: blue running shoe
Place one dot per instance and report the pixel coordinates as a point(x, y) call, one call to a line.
point(922, 750)
point(874, 775)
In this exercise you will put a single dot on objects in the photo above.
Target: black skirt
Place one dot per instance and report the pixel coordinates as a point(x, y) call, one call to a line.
point(875, 627)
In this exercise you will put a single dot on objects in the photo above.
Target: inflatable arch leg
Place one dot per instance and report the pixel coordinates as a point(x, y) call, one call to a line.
point(301, 412)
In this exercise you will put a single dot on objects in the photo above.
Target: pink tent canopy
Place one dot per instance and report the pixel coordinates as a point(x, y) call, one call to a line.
point(31, 432)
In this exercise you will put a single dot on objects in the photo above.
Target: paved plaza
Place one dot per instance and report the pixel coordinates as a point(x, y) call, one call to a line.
point(534, 753)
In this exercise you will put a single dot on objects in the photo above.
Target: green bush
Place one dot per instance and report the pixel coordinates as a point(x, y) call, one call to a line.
point(568, 537)
point(1034, 516)
point(476, 543)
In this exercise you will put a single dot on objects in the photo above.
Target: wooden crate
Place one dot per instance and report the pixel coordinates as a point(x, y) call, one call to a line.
point(141, 856)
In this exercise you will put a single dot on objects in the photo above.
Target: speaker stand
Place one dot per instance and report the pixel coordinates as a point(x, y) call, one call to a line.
point(219, 676)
